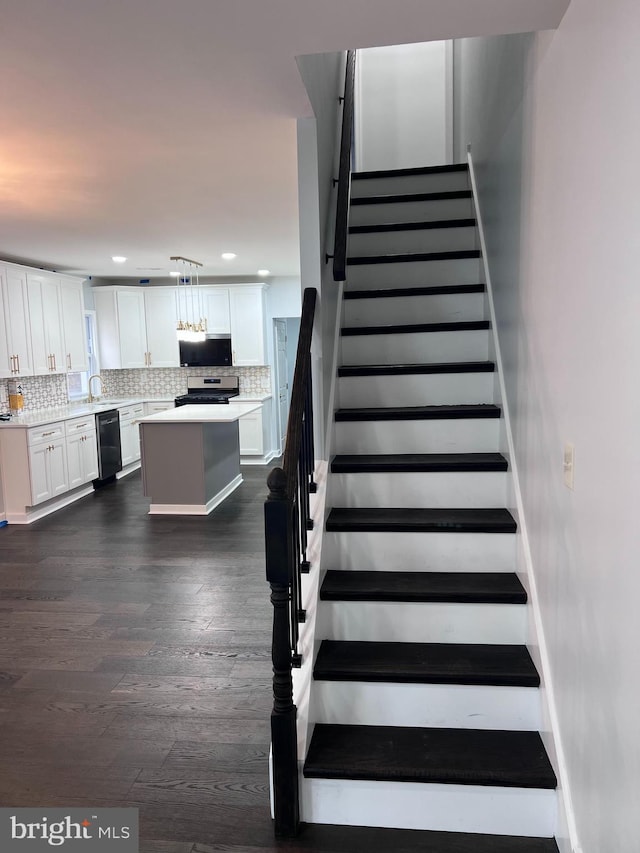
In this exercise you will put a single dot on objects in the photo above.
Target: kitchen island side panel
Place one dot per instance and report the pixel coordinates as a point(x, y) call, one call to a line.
point(221, 446)
point(173, 457)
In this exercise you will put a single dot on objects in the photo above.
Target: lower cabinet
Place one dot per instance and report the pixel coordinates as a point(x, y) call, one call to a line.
point(130, 433)
point(251, 442)
point(82, 451)
point(47, 454)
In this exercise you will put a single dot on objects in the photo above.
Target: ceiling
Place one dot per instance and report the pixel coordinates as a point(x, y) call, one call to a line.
point(150, 128)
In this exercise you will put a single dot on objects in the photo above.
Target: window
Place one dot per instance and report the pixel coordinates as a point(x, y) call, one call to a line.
point(78, 383)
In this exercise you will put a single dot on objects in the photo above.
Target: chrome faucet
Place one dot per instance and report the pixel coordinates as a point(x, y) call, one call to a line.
point(91, 397)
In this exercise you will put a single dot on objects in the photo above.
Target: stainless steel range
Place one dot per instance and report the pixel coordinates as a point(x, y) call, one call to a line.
point(209, 390)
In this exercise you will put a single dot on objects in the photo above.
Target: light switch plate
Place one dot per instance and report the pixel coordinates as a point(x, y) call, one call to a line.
point(568, 464)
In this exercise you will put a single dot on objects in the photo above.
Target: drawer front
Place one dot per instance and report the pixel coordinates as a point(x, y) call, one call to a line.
point(79, 425)
point(130, 412)
point(47, 433)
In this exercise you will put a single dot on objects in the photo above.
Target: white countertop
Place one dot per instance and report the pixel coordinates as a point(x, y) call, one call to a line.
point(40, 417)
point(202, 414)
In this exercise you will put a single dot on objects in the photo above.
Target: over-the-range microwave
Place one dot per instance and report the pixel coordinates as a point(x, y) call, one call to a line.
point(214, 351)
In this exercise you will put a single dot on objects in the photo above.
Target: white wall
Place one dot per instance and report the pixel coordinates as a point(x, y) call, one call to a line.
point(553, 120)
point(401, 106)
point(323, 76)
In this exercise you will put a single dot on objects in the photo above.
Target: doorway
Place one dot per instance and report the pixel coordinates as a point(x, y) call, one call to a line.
point(285, 344)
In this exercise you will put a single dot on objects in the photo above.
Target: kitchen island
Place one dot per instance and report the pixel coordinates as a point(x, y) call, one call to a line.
point(191, 457)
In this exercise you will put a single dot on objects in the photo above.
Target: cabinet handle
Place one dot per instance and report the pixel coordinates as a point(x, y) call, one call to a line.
point(68, 361)
point(49, 361)
point(48, 433)
point(81, 426)
point(149, 362)
point(14, 364)
point(55, 366)
point(18, 363)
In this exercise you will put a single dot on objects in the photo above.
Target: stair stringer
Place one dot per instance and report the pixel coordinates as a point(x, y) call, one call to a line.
point(566, 830)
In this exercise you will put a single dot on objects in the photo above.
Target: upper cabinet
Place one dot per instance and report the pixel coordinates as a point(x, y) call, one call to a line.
point(47, 343)
point(122, 336)
point(215, 306)
point(16, 357)
point(76, 356)
point(247, 320)
point(136, 327)
point(160, 323)
point(42, 316)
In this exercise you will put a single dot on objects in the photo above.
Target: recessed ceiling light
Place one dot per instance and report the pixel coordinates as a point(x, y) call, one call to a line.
point(264, 272)
point(228, 256)
point(174, 273)
point(118, 259)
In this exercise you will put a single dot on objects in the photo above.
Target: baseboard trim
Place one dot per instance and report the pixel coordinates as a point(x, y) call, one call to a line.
point(32, 514)
point(197, 509)
point(540, 653)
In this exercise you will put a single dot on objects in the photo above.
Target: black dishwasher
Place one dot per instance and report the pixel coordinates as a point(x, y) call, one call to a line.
point(109, 453)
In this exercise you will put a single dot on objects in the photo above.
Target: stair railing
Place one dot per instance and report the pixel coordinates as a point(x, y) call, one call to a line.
point(344, 173)
point(287, 521)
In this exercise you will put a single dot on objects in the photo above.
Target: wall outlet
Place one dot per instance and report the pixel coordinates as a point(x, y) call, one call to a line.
point(568, 465)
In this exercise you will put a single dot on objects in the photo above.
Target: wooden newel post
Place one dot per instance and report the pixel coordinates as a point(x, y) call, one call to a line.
point(279, 518)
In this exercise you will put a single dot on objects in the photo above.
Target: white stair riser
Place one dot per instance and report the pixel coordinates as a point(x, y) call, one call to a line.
point(460, 238)
point(466, 435)
point(413, 211)
point(442, 308)
point(416, 347)
point(447, 808)
point(460, 706)
point(415, 273)
point(416, 389)
point(396, 622)
point(433, 182)
point(419, 552)
point(441, 489)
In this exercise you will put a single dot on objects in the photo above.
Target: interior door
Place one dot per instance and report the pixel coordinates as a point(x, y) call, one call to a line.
point(281, 377)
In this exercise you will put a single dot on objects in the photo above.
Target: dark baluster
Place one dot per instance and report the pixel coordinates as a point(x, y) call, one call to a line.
point(309, 427)
point(278, 511)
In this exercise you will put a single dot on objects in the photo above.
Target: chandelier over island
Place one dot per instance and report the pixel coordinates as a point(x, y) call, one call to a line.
point(192, 324)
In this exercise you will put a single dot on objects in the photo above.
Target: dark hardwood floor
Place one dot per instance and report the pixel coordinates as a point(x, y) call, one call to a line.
point(135, 671)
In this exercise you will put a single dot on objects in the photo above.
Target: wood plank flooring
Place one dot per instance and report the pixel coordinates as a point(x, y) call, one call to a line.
point(135, 671)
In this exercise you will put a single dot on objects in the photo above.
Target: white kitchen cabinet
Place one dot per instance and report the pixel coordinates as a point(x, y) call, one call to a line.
point(76, 357)
point(82, 451)
point(47, 462)
point(18, 360)
point(160, 325)
point(215, 305)
point(130, 433)
point(45, 319)
point(247, 319)
point(159, 406)
point(122, 336)
point(250, 426)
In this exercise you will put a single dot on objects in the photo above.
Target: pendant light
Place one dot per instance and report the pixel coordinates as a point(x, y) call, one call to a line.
point(191, 325)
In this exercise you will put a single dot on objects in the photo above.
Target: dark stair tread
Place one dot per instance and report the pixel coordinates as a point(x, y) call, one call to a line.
point(514, 759)
point(417, 328)
point(413, 257)
point(411, 369)
point(415, 413)
point(426, 663)
point(414, 170)
point(433, 587)
point(411, 197)
point(412, 520)
point(435, 290)
point(347, 839)
point(344, 463)
point(422, 225)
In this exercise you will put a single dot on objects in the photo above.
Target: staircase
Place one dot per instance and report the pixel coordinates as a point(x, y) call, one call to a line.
point(425, 698)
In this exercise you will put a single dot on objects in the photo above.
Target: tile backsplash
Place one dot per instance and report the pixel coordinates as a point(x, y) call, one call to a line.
point(39, 392)
point(44, 392)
